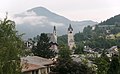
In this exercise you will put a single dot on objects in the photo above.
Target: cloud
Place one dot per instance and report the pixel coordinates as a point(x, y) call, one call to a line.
point(57, 24)
point(30, 18)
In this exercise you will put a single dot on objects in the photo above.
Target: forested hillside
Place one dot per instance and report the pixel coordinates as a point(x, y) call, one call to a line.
point(104, 35)
point(111, 21)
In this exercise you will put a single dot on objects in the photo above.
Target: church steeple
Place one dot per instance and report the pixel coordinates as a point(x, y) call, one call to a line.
point(54, 28)
point(71, 42)
point(70, 28)
point(53, 40)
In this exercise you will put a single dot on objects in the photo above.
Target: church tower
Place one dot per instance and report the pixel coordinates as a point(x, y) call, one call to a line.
point(71, 42)
point(53, 40)
point(54, 35)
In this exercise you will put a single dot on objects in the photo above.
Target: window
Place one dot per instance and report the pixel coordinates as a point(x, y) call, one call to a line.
point(32, 72)
point(35, 72)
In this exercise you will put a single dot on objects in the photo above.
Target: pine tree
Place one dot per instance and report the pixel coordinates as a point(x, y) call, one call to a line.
point(42, 48)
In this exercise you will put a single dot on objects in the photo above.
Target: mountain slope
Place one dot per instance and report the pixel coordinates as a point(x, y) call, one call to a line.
point(111, 21)
point(37, 20)
point(51, 16)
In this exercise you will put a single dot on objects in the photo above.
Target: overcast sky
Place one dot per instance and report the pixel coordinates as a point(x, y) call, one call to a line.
point(96, 10)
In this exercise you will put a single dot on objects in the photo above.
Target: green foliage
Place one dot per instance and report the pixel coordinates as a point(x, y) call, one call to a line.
point(79, 37)
point(114, 65)
point(87, 31)
point(65, 64)
point(72, 68)
point(97, 38)
point(42, 48)
point(112, 21)
point(104, 56)
point(115, 30)
point(79, 49)
point(10, 48)
point(64, 54)
point(62, 39)
point(102, 64)
point(105, 66)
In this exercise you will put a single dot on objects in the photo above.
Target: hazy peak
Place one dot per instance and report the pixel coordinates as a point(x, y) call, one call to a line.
point(39, 19)
point(39, 9)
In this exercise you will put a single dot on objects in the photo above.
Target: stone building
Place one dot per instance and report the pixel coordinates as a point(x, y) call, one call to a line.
point(53, 40)
point(36, 65)
point(71, 42)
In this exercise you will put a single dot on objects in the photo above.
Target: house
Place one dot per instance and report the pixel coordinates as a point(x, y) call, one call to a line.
point(29, 43)
point(112, 51)
point(87, 49)
point(36, 65)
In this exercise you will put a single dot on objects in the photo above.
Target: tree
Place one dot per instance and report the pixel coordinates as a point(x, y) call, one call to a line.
point(65, 64)
point(62, 39)
point(102, 66)
point(64, 54)
point(42, 48)
point(10, 48)
point(79, 49)
point(102, 63)
point(114, 65)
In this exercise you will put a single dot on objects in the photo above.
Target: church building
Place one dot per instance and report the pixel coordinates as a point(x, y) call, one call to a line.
point(53, 40)
point(71, 42)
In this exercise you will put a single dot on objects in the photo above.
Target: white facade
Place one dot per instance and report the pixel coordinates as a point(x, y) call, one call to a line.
point(29, 43)
point(71, 42)
point(54, 35)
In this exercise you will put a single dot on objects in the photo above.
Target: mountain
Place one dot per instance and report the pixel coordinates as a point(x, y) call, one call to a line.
point(39, 19)
point(111, 21)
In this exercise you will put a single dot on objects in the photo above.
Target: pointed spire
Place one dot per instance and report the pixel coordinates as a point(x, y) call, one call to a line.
point(6, 14)
point(54, 28)
point(70, 27)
